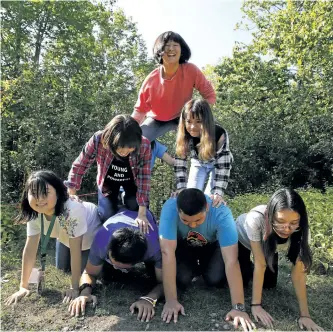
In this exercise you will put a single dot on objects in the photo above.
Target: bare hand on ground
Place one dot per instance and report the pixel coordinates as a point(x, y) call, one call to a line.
point(70, 294)
point(23, 292)
point(171, 309)
point(308, 324)
point(78, 305)
point(242, 318)
point(145, 310)
point(259, 313)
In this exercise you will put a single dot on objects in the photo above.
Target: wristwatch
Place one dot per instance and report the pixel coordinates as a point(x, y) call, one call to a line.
point(83, 286)
point(239, 307)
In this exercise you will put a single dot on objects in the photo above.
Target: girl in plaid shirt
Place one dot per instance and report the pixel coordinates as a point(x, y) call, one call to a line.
point(207, 144)
point(123, 159)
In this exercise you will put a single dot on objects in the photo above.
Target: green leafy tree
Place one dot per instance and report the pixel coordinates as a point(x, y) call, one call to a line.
point(69, 68)
point(275, 96)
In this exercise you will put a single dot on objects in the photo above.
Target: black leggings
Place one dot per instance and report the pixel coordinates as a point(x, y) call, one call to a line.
point(246, 266)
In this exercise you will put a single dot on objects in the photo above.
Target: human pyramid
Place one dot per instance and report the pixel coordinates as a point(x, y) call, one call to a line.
point(196, 235)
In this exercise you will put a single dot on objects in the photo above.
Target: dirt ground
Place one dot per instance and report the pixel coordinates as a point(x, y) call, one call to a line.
point(205, 307)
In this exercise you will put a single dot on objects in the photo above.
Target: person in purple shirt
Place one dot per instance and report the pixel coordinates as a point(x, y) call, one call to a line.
point(117, 247)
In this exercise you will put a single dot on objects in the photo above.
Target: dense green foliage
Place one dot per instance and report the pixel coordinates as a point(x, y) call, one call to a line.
point(275, 96)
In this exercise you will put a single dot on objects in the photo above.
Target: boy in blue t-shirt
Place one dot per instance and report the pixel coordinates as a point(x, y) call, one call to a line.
point(195, 236)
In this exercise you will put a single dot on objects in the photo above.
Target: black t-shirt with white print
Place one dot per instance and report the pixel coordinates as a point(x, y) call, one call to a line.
point(119, 174)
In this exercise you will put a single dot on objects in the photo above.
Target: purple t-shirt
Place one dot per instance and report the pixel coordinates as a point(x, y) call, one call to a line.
point(125, 218)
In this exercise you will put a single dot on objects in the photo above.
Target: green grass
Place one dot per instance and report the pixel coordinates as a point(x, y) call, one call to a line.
point(205, 307)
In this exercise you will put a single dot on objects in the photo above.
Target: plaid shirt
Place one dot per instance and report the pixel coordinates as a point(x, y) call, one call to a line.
point(93, 149)
point(222, 163)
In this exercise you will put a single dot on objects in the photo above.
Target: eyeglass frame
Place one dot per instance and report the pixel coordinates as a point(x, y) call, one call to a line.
point(289, 226)
point(117, 267)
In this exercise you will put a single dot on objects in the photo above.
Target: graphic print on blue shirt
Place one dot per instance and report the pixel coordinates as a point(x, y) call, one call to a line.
point(195, 239)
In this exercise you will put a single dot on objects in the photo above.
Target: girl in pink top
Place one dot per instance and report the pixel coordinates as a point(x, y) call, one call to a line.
point(166, 89)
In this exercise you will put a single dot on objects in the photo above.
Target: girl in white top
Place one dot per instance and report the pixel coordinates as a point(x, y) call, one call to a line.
point(75, 226)
point(265, 230)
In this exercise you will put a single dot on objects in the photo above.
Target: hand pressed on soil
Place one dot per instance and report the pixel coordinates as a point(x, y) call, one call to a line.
point(78, 305)
point(171, 309)
point(23, 292)
point(242, 318)
point(145, 310)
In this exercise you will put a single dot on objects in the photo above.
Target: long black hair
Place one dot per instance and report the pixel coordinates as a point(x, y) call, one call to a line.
point(37, 184)
point(288, 199)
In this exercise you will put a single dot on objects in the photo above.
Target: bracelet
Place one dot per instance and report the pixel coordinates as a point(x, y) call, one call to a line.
point(255, 305)
point(303, 317)
point(149, 299)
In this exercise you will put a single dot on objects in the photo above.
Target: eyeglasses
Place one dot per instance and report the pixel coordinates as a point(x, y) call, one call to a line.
point(120, 269)
point(281, 227)
point(116, 267)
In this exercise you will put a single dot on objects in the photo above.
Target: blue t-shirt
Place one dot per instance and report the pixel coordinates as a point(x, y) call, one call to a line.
point(125, 218)
point(218, 226)
point(158, 151)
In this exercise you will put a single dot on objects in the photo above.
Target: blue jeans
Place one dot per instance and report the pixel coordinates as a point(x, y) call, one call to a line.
point(153, 129)
point(199, 172)
point(108, 205)
point(63, 257)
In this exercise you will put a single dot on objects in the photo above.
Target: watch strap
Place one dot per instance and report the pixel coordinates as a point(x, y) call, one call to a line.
point(239, 307)
point(84, 286)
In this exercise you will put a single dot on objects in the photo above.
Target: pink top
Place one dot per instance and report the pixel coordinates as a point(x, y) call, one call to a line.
point(163, 99)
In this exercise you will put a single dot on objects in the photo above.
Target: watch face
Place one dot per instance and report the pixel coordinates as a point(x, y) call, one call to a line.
point(239, 306)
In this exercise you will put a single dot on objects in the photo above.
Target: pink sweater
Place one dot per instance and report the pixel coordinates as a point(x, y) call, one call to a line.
point(163, 99)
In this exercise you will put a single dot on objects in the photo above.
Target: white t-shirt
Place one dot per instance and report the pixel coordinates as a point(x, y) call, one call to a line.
point(78, 218)
point(251, 227)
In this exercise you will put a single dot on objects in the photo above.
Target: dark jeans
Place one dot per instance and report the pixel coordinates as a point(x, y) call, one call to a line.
point(63, 257)
point(246, 266)
point(108, 205)
point(206, 261)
